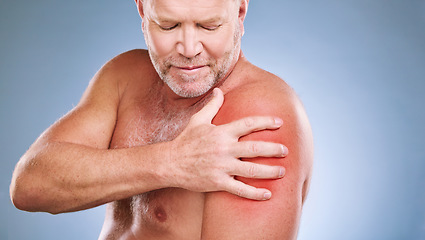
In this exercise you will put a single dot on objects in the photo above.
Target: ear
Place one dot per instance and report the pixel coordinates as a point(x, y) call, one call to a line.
point(243, 9)
point(139, 4)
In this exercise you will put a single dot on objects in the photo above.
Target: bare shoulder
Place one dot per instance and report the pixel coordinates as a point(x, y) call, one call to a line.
point(263, 93)
point(125, 68)
point(258, 92)
point(131, 58)
point(264, 89)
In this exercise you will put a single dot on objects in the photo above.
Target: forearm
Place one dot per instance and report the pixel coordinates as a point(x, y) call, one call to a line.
point(63, 177)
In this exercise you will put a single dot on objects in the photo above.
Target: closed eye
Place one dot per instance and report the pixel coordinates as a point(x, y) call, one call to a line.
point(209, 28)
point(168, 28)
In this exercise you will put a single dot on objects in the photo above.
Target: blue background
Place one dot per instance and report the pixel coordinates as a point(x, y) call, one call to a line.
point(358, 66)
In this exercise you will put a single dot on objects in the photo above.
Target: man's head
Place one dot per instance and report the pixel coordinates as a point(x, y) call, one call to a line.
point(193, 44)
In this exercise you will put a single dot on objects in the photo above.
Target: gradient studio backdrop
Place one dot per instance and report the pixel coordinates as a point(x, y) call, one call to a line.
point(358, 66)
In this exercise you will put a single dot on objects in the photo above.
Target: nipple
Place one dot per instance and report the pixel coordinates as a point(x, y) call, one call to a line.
point(160, 214)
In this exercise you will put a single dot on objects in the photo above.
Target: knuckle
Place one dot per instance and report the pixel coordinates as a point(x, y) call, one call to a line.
point(252, 171)
point(221, 168)
point(224, 183)
point(249, 122)
point(240, 192)
point(218, 183)
point(220, 149)
point(254, 148)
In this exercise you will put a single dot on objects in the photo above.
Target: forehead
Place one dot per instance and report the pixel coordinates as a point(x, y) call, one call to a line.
point(189, 9)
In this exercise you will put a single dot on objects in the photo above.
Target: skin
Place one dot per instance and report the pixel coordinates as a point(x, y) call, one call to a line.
point(168, 165)
point(198, 50)
point(230, 217)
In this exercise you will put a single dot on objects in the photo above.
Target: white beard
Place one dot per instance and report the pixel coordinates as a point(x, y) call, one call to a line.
point(191, 86)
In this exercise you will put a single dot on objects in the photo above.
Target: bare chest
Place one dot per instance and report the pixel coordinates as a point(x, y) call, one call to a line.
point(171, 211)
point(138, 127)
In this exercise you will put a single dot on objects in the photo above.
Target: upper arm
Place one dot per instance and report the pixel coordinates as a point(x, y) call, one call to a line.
point(277, 218)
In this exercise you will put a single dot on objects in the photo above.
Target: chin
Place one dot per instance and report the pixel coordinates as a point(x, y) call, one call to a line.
point(190, 92)
point(191, 89)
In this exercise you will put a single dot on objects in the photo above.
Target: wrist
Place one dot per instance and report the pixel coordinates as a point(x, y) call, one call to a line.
point(164, 164)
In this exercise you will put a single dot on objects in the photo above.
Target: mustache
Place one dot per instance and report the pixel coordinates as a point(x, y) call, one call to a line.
point(183, 61)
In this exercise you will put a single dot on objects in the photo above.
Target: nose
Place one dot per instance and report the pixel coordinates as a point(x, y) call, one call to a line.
point(189, 44)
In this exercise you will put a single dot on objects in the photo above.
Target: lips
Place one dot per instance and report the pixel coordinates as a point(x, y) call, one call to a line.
point(190, 67)
point(191, 70)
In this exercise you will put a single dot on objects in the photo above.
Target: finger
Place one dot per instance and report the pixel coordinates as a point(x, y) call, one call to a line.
point(248, 125)
point(251, 149)
point(243, 190)
point(208, 112)
point(258, 171)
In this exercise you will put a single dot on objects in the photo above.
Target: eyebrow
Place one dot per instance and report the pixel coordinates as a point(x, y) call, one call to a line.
point(212, 20)
point(163, 20)
point(169, 20)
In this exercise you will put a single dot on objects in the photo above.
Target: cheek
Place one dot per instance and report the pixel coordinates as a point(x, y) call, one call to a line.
point(217, 45)
point(161, 44)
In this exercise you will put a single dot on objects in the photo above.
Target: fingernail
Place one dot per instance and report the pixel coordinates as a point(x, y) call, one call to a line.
point(278, 122)
point(267, 195)
point(284, 150)
point(281, 172)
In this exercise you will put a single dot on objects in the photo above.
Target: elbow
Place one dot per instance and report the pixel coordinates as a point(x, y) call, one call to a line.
point(26, 195)
point(20, 196)
point(30, 188)
point(29, 199)
point(21, 190)
point(19, 201)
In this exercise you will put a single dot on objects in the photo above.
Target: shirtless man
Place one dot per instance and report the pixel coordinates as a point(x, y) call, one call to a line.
point(147, 140)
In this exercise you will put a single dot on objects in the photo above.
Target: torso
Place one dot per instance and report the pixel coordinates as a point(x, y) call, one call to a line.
point(170, 213)
point(145, 118)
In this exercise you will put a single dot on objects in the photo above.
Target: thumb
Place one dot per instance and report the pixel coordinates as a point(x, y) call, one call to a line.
point(208, 112)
